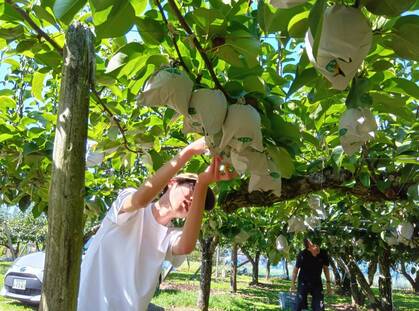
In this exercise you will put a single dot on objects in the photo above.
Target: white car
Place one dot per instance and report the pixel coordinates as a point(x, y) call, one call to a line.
point(23, 280)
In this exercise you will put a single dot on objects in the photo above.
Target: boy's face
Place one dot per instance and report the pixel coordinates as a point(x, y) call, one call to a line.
point(181, 198)
point(313, 248)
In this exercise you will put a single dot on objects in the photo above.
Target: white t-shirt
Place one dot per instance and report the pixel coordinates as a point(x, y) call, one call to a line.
point(122, 265)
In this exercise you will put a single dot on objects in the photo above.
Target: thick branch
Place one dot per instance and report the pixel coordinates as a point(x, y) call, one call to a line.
point(28, 19)
point(198, 46)
point(405, 274)
point(302, 185)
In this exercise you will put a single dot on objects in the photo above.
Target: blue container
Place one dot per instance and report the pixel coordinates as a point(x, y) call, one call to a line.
point(287, 300)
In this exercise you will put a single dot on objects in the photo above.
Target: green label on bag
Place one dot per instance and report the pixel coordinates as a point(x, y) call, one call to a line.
point(342, 132)
point(332, 66)
point(191, 111)
point(245, 139)
point(274, 175)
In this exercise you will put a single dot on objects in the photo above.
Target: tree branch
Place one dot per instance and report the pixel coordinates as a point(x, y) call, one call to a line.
point(28, 19)
point(182, 62)
point(201, 51)
point(303, 185)
point(114, 118)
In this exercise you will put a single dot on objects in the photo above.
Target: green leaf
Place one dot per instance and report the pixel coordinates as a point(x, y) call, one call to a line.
point(139, 6)
point(151, 31)
point(11, 31)
point(358, 94)
point(302, 79)
point(275, 20)
point(124, 54)
point(298, 25)
point(337, 156)
point(315, 21)
point(404, 39)
point(365, 179)
point(388, 7)
point(404, 86)
point(209, 21)
point(65, 10)
point(282, 160)
point(254, 84)
point(413, 192)
point(100, 5)
point(5, 136)
point(1, 7)
point(51, 59)
point(406, 158)
point(38, 85)
point(7, 103)
point(44, 14)
point(25, 45)
point(114, 21)
point(396, 105)
point(240, 49)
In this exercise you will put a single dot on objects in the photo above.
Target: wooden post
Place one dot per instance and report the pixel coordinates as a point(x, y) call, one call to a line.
point(67, 189)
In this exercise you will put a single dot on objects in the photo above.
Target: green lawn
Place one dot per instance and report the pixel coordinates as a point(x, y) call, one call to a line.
point(180, 292)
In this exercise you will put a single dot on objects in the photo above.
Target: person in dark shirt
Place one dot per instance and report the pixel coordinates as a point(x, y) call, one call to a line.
point(310, 263)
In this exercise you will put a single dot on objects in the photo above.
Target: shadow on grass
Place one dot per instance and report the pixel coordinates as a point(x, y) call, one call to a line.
point(18, 304)
point(181, 276)
point(166, 291)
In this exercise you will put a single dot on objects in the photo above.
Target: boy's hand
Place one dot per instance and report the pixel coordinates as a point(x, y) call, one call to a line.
point(197, 147)
point(213, 174)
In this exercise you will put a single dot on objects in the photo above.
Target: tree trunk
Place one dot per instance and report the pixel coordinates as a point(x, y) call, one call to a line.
point(358, 297)
point(287, 272)
point(413, 283)
point(335, 273)
point(233, 274)
point(416, 287)
point(10, 246)
point(345, 288)
point(384, 281)
point(255, 269)
point(67, 190)
point(366, 291)
point(208, 246)
point(255, 266)
point(268, 269)
point(372, 269)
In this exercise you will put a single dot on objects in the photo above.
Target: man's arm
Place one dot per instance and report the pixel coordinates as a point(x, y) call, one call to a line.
point(294, 277)
point(187, 241)
point(156, 183)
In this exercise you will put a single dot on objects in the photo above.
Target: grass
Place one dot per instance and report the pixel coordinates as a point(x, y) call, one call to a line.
point(180, 292)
